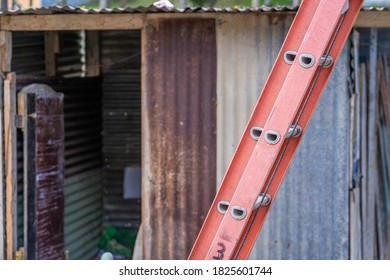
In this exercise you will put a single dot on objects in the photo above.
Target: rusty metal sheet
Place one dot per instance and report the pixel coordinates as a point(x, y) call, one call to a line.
point(179, 134)
point(44, 168)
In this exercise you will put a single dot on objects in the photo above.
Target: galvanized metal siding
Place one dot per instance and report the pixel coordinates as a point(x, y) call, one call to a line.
point(71, 60)
point(28, 53)
point(83, 161)
point(247, 47)
point(28, 57)
point(179, 140)
point(309, 219)
point(83, 214)
point(121, 69)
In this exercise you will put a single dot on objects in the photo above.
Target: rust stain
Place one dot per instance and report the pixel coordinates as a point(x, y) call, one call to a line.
point(180, 132)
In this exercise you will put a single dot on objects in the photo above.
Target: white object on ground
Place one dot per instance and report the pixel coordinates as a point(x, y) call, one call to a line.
point(164, 4)
point(107, 256)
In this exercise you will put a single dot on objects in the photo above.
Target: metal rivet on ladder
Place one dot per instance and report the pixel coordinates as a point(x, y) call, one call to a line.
point(238, 212)
point(255, 132)
point(289, 57)
point(306, 60)
point(294, 132)
point(266, 200)
point(223, 206)
point(326, 63)
point(272, 137)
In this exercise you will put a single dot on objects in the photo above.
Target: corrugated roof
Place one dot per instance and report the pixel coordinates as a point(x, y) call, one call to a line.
point(154, 9)
point(150, 9)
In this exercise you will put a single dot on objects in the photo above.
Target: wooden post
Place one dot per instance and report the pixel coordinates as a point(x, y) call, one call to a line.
point(7, 166)
point(2, 194)
point(92, 53)
point(52, 48)
point(5, 51)
point(10, 163)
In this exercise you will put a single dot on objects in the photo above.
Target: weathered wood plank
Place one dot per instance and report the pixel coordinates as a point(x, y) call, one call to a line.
point(373, 19)
point(2, 193)
point(10, 146)
point(136, 20)
point(93, 53)
point(52, 48)
point(5, 51)
point(42, 110)
point(72, 22)
point(5, 66)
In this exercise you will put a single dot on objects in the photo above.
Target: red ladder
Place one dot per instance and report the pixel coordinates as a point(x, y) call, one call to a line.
point(280, 118)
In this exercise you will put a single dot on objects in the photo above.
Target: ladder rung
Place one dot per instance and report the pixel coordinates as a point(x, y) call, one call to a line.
point(289, 58)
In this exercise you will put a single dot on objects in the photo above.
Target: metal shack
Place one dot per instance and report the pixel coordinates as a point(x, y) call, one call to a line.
point(166, 95)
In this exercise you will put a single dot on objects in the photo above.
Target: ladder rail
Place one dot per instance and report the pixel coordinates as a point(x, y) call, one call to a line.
point(306, 116)
point(282, 115)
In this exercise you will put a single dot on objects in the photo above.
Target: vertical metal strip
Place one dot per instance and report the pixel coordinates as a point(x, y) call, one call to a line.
point(369, 234)
point(355, 251)
point(364, 160)
point(2, 196)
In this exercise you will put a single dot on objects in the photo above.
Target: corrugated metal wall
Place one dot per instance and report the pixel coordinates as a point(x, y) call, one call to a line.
point(121, 70)
point(178, 134)
point(83, 149)
point(28, 53)
point(71, 59)
point(28, 57)
point(374, 164)
point(309, 219)
point(83, 161)
point(247, 48)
